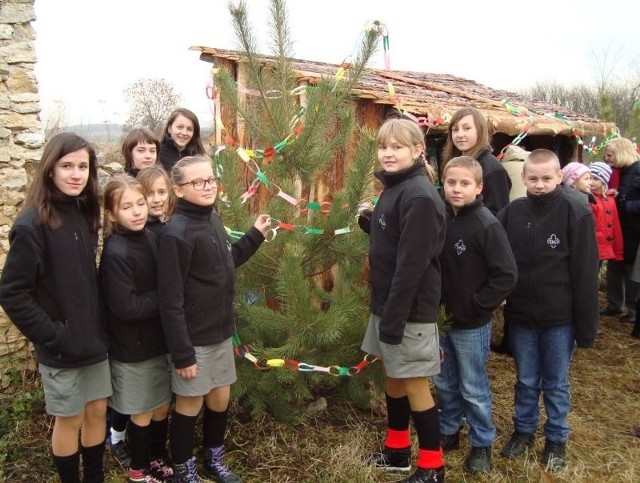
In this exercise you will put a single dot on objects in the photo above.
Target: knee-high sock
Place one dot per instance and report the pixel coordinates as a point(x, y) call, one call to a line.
point(181, 437)
point(214, 426)
point(427, 424)
point(92, 465)
point(139, 438)
point(68, 467)
point(398, 417)
point(158, 443)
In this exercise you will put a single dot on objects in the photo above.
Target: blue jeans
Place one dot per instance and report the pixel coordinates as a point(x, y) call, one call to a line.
point(542, 365)
point(463, 385)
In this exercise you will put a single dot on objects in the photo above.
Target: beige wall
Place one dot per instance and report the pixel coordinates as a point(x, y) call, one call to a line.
point(21, 141)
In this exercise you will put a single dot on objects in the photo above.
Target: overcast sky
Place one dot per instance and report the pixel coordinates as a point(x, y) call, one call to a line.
point(89, 51)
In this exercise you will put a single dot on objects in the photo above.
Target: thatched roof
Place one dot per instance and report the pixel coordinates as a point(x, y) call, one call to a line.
point(436, 95)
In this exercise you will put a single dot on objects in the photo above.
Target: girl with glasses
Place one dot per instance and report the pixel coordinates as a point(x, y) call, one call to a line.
point(196, 284)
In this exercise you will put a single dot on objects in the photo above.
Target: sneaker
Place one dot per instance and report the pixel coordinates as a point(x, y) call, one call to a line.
point(161, 469)
point(390, 459)
point(121, 452)
point(449, 442)
point(554, 455)
point(186, 472)
point(518, 444)
point(141, 476)
point(426, 476)
point(479, 460)
point(214, 467)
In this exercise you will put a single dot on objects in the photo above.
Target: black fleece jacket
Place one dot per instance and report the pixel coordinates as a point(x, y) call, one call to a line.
point(628, 204)
point(407, 234)
point(129, 283)
point(196, 279)
point(478, 268)
point(496, 183)
point(553, 240)
point(155, 225)
point(132, 171)
point(49, 286)
point(169, 154)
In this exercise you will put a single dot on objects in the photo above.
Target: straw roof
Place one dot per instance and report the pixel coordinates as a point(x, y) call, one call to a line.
point(439, 95)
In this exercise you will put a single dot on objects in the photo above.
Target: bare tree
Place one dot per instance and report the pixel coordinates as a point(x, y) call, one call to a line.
point(57, 119)
point(579, 98)
point(614, 95)
point(151, 101)
point(605, 64)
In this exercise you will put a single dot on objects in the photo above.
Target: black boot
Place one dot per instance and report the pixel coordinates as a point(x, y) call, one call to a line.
point(479, 460)
point(554, 455)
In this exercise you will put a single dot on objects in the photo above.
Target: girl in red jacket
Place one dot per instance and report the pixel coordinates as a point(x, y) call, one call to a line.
point(608, 231)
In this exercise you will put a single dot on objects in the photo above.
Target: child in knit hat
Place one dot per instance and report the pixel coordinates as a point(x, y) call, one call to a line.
point(605, 212)
point(577, 176)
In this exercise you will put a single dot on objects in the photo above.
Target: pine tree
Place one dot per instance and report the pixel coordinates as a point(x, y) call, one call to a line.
point(304, 295)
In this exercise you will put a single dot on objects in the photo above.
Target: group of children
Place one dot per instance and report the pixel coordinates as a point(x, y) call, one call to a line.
point(538, 253)
point(166, 285)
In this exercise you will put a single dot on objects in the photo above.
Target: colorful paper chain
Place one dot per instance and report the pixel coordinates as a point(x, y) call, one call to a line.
point(263, 364)
point(522, 111)
point(324, 208)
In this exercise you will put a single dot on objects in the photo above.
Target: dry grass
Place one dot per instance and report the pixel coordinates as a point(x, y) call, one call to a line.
point(327, 448)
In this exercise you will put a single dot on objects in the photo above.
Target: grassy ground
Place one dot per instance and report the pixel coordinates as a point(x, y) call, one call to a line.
point(327, 447)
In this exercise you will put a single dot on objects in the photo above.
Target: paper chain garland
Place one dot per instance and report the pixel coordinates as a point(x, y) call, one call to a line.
point(263, 364)
point(529, 113)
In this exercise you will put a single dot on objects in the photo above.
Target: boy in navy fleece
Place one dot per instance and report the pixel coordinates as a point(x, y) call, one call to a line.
point(554, 305)
point(478, 272)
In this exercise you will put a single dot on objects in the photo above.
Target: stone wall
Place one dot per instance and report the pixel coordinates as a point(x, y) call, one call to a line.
point(21, 142)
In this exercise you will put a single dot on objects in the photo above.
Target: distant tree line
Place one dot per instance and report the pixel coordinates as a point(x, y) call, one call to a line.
point(613, 97)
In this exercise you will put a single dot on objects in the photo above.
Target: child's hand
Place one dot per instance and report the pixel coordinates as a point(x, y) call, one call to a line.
point(188, 372)
point(611, 192)
point(263, 224)
point(364, 207)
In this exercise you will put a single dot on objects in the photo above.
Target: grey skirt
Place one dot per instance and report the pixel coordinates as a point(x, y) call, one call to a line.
point(418, 355)
point(216, 368)
point(67, 390)
point(140, 387)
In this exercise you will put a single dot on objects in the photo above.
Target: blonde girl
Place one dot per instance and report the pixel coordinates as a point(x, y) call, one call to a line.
point(137, 349)
point(160, 198)
point(196, 283)
point(407, 229)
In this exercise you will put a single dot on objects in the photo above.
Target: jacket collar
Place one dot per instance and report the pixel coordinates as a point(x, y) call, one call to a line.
point(125, 232)
point(545, 199)
point(466, 209)
point(193, 211)
point(392, 179)
point(64, 202)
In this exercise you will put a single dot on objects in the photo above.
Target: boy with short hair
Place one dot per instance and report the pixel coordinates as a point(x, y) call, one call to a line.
point(478, 272)
point(554, 304)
